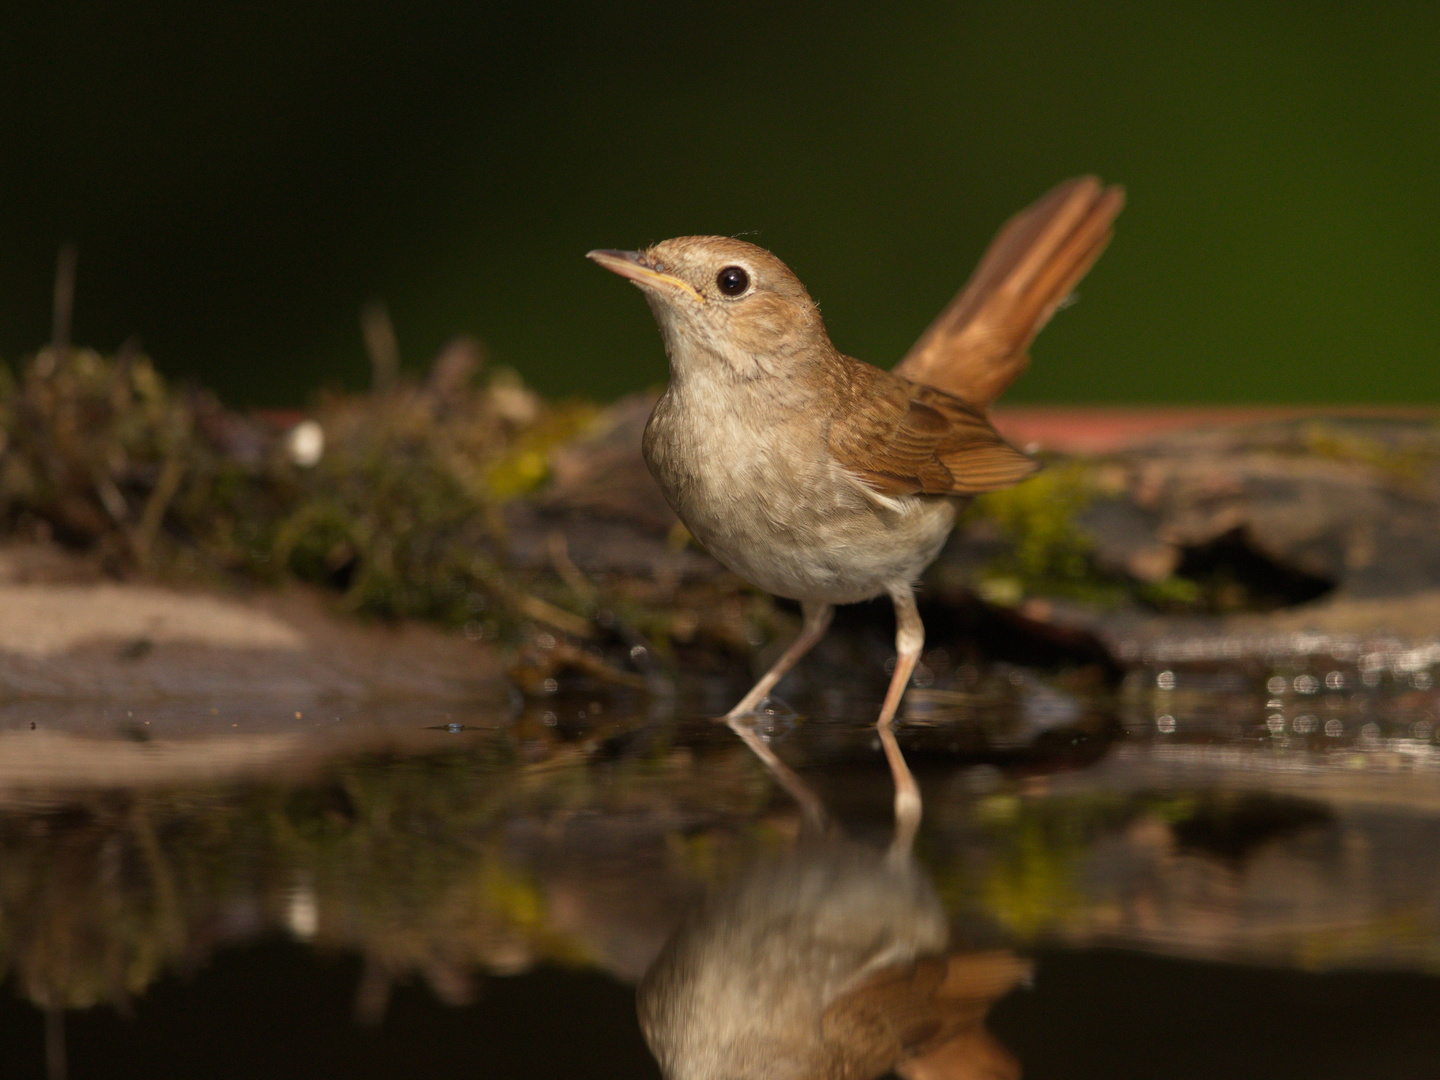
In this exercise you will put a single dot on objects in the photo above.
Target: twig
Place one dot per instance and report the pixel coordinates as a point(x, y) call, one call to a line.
point(593, 665)
point(571, 574)
point(64, 301)
point(381, 344)
point(142, 539)
point(532, 607)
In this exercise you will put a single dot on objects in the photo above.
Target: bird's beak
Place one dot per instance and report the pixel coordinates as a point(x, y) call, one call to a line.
point(633, 265)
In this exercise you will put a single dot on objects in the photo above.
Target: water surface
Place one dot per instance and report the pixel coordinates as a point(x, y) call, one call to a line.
point(1217, 870)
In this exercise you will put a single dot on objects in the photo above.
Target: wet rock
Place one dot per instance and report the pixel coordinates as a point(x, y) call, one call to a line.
point(267, 660)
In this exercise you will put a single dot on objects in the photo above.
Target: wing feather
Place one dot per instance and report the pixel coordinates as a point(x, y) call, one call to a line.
point(902, 438)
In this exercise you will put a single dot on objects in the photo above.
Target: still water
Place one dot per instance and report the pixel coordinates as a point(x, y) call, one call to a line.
point(1221, 869)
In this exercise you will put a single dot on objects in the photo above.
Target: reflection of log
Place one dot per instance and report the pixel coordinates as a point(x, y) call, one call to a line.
point(406, 859)
point(40, 767)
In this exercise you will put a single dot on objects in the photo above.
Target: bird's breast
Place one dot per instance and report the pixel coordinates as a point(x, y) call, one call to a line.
point(753, 480)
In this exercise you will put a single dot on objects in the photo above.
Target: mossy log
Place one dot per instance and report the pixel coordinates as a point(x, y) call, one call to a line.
point(533, 529)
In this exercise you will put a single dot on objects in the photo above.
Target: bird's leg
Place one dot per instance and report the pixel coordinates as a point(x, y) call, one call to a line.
point(817, 621)
point(797, 789)
point(909, 640)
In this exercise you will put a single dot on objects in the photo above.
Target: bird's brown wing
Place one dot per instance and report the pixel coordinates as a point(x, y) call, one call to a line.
point(901, 438)
point(907, 1011)
point(976, 347)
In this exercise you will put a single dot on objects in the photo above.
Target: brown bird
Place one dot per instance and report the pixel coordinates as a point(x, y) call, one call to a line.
point(823, 479)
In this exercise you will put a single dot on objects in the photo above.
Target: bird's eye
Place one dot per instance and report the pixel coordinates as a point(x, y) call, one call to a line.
point(732, 281)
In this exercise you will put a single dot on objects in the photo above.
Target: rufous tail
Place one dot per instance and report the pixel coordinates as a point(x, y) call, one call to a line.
point(977, 346)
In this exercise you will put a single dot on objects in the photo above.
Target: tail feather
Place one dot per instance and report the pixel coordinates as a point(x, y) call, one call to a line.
point(976, 347)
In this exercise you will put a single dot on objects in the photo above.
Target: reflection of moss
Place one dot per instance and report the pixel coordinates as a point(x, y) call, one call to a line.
point(410, 861)
point(1032, 887)
point(96, 901)
point(1030, 878)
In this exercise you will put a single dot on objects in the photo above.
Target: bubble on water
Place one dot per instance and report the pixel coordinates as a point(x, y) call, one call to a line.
point(1335, 680)
point(1306, 684)
point(1165, 680)
point(1276, 723)
point(1306, 724)
point(1334, 728)
point(1165, 724)
point(454, 729)
point(1277, 684)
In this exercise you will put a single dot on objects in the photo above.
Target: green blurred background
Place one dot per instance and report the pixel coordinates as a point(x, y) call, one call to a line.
point(240, 179)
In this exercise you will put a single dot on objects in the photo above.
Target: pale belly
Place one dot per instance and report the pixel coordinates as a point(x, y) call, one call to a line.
point(847, 561)
point(786, 519)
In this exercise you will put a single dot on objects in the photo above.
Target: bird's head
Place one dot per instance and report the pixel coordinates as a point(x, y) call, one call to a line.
point(723, 303)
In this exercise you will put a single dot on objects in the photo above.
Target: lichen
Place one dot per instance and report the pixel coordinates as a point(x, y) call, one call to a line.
point(1405, 465)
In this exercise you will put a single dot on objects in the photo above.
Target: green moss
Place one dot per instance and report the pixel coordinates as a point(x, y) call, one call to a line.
point(1048, 553)
point(525, 465)
point(399, 512)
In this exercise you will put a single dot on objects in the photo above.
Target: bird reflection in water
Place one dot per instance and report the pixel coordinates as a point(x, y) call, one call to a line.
point(832, 962)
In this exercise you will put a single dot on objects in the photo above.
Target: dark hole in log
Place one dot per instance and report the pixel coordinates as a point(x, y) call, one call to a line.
point(1232, 828)
point(1234, 575)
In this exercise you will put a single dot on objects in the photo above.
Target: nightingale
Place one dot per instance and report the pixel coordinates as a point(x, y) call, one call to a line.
point(829, 961)
point(823, 479)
